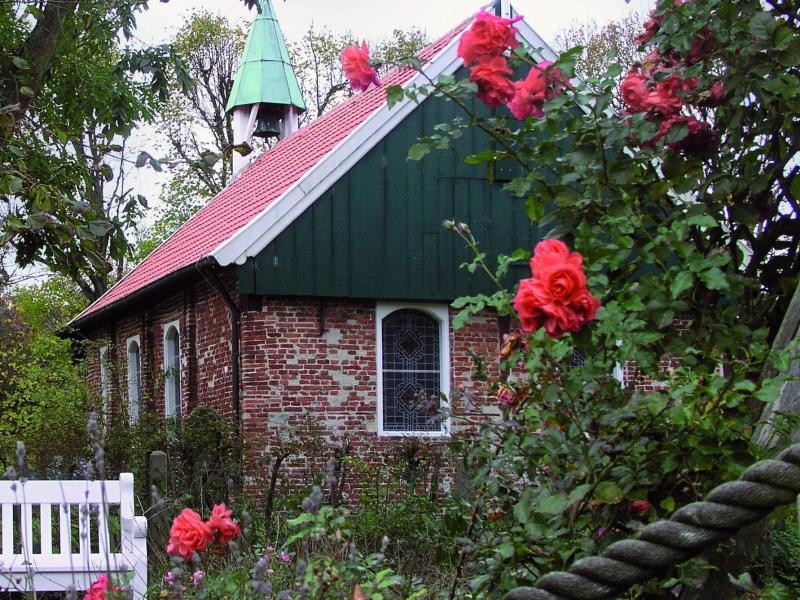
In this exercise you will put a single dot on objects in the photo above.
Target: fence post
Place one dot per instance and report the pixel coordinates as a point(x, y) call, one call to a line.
point(159, 523)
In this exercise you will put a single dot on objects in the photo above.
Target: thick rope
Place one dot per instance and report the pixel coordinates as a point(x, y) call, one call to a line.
point(763, 487)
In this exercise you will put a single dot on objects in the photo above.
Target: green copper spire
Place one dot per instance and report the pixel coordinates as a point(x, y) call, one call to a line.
point(265, 73)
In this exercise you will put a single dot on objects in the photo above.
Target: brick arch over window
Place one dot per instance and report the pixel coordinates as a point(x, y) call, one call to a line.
point(413, 369)
point(172, 371)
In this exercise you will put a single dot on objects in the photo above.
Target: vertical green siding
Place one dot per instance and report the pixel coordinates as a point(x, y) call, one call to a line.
point(377, 233)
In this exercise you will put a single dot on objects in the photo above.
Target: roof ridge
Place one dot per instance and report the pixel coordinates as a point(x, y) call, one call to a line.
point(264, 181)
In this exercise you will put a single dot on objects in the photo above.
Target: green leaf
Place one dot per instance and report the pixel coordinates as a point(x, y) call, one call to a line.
point(26, 91)
point(552, 505)
point(20, 63)
point(394, 94)
point(14, 185)
point(668, 504)
point(762, 26)
point(715, 279)
point(579, 492)
point(608, 492)
point(682, 282)
point(419, 151)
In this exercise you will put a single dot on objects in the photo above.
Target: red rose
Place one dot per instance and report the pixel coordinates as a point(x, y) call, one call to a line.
point(713, 96)
point(664, 98)
point(633, 90)
point(491, 77)
point(489, 36)
point(640, 506)
point(698, 139)
point(542, 83)
point(506, 396)
point(703, 44)
point(188, 535)
point(650, 29)
point(357, 68)
point(98, 590)
point(222, 525)
point(555, 297)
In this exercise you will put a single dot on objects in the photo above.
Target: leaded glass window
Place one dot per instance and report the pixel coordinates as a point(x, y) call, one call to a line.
point(411, 371)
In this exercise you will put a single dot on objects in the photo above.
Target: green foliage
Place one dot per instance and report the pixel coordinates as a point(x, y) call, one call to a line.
point(70, 94)
point(44, 399)
point(694, 255)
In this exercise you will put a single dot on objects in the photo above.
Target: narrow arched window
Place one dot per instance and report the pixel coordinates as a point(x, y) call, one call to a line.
point(134, 379)
point(413, 378)
point(105, 379)
point(172, 371)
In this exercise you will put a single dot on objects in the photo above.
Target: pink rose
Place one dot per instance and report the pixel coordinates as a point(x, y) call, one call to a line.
point(633, 90)
point(489, 36)
point(188, 535)
point(491, 77)
point(357, 68)
point(542, 83)
point(221, 524)
point(663, 98)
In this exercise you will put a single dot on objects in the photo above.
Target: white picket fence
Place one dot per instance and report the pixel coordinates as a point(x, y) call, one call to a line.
point(95, 532)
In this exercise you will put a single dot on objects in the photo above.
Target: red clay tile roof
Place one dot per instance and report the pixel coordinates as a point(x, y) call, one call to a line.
point(258, 186)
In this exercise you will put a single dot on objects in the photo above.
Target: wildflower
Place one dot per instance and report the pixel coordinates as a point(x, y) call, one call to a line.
point(357, 68)
point(286, 557)
point(489, 36)
point(197, 578)
point(491, 77)
point(555, 297)
point(188, 535)
point(221, 524)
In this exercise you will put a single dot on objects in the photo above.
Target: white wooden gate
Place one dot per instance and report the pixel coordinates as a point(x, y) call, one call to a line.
point(57, 534)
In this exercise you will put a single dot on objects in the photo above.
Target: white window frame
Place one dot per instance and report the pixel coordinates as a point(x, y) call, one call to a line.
point(105, 379)
point(134, 414)
point(441, 313)
point(169, 389)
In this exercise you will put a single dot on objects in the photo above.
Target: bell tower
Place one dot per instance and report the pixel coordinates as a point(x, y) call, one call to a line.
point(265, 99)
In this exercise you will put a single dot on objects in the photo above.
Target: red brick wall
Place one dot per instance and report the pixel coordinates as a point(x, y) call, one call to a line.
point(204, 349)
point(300, 356)
point(305, 356)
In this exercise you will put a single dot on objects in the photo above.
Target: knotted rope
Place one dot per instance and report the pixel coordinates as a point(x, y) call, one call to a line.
point(763, 487)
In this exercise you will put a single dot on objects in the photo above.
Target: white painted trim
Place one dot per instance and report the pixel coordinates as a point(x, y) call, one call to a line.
point(165, 329)
point(441, 313)
point(262, 229)
point(134, 414)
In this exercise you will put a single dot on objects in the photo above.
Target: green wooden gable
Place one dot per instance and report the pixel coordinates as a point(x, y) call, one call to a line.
point(377, 233)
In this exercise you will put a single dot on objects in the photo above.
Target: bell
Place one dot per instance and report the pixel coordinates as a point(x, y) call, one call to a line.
point(268, 122)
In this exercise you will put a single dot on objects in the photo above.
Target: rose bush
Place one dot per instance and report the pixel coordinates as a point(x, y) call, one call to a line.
point(679, 189)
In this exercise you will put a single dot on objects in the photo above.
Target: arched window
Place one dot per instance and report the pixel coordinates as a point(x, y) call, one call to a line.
point(413, 370)
point(134, 378)
point(172, 371)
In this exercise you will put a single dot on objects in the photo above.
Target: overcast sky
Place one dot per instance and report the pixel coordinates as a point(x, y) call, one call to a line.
point(371, 19)
point(374, 19)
